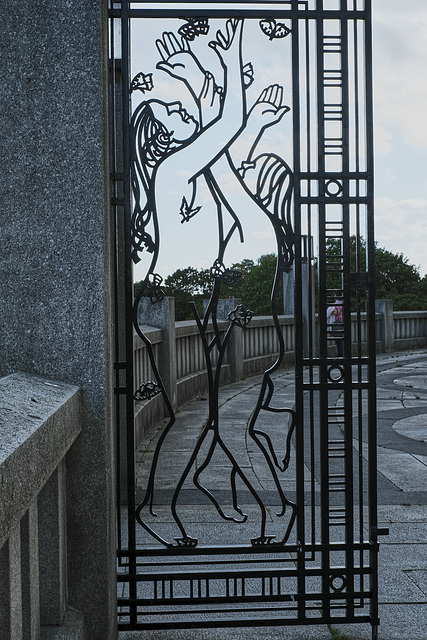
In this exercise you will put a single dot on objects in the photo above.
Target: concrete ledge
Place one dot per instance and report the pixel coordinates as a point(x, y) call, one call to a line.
point(72, 628)
point(184, 328)
point(267, 321)
point(147, 414)
point(154, 335)
point(39, 421)
point(196, 384)
point(403, 344)
point(258, 365)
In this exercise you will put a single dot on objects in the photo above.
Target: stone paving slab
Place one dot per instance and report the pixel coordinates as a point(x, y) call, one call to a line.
point(407, 532)
point(402, 513)
point(397, 587)
point(414, 427)
point(397, 622)
point(419, 577)
point(404, 470)
point(403, 557)
point(244, 633)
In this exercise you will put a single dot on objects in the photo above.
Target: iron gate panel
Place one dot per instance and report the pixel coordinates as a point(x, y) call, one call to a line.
point(320, 564)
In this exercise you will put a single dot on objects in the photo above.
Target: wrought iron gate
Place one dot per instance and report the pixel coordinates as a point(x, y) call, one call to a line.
point(319, 565)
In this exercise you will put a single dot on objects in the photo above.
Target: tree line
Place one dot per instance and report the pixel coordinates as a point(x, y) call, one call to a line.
point(396, 279)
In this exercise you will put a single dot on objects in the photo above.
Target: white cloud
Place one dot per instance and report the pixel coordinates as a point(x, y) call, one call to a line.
point(261, 236)
point(400, 228)
point(383, 140)
point(400, 79)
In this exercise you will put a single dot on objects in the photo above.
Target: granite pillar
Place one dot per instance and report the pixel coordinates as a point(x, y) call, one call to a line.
point(235, 345)
point(30, 574)
point(161, 314)
point(55, 264)
point(385, 308)
point(52, 553)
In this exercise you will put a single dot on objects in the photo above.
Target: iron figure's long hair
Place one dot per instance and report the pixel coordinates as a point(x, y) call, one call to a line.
point(150, 143)
point(274, 192)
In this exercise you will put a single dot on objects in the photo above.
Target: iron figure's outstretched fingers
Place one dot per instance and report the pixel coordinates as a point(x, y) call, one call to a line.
point(225, 42)
point(275, 95)
point(162, 49)
point(272, 96)
point(169, 44)
point(269, 107)
point(179, 62)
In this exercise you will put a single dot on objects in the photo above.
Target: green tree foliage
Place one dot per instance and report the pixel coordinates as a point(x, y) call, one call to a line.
point(399, 280)
point(186, 286)
point(254, 286)
point(396, 278)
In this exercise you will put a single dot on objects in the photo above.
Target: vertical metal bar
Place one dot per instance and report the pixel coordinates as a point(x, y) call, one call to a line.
point(299, 394)
point(130, 432)
point(114, 194)
point(323, 391)
point(370, 247)
point(348, 393)
point(310, 279)
point(358, 269)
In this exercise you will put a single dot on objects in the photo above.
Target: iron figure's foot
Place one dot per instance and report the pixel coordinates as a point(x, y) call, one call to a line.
point(238, 517)
point(262, 540)
point(186, 542)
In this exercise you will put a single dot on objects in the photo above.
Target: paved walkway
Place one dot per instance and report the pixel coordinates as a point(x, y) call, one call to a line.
point(402, 466)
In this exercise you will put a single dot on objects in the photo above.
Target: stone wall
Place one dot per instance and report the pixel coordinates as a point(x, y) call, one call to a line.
point(40, 420)
point(55, 300)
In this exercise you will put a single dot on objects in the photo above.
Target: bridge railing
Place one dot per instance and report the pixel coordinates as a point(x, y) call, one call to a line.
point(409, 329)
point(40, 420)
point(178, 346)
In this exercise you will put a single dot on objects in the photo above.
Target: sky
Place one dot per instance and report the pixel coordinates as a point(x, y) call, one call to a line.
point(400, 139)
point(400, 117)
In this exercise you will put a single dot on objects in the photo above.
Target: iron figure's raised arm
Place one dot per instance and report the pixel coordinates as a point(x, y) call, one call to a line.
point(190, 160)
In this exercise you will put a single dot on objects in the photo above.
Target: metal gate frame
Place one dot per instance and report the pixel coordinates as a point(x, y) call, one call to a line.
point(332, 200)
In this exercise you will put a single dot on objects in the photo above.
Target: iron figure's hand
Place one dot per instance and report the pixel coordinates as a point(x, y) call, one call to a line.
point(269, 107)
point(180, 62)
point(227, 45)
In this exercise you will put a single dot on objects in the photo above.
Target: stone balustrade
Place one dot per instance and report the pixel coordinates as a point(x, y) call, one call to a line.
point(40, 420)
point(250, 351)
point(409, 329)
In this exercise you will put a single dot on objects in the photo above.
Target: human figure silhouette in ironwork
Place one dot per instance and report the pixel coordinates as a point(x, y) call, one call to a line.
point(167, 140)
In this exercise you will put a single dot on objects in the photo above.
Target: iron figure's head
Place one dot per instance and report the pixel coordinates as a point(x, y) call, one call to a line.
point(177, 121)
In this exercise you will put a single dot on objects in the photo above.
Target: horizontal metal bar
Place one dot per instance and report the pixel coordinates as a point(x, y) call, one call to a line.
point(233, 550)
point(333, 175)
point(235, 575)
point(159, 602)
point(244, 12)
point(317, 386)
point(198, 3)
point(201, 623)
point(285, 597)
point(332, 200)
